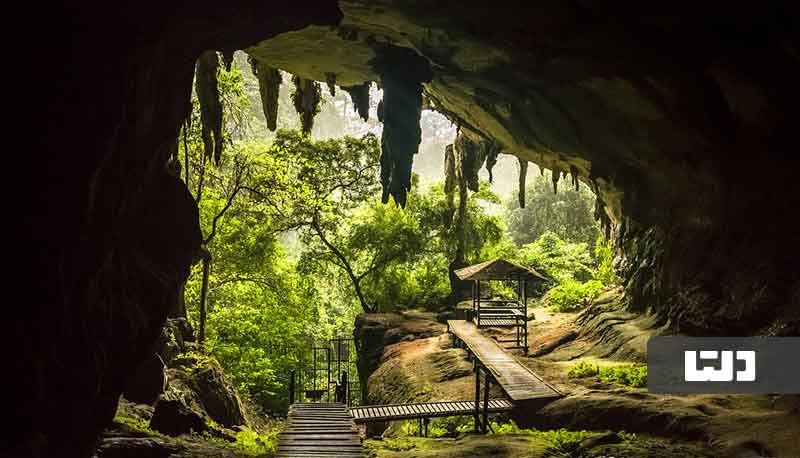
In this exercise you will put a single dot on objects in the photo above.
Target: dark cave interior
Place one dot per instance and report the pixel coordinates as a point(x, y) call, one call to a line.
point(680, 118)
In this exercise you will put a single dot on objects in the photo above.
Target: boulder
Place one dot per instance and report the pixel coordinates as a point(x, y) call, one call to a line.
point(147, 382)
point(134, 447)
point(173, 417)
point(218, 396)
point(199, 383)
point(175, 338)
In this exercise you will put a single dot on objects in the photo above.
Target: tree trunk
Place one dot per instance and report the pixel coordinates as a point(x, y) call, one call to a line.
point(201, 334)
point(347, 268)
point(460, 289)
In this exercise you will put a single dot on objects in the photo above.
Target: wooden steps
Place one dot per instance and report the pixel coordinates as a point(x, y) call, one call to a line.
point(320, 430)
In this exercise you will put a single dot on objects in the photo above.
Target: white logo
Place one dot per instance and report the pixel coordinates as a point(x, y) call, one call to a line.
point(725, 372)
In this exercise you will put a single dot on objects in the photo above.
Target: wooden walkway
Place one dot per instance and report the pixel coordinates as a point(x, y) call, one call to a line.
point(366, 414)
point(321, 430)
point(517, 381)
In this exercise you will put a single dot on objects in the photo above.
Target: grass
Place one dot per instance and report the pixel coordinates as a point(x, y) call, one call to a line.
point(251, 442)
point(560, 441)
point(439, 427)
point(246, 441)
point(632, 375)
point(138, 425)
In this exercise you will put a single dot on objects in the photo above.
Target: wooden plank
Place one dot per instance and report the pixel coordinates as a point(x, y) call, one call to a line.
point(518, 382)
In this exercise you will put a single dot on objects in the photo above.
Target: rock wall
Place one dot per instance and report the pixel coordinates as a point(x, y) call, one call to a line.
point(111, 234)
point(678, 116)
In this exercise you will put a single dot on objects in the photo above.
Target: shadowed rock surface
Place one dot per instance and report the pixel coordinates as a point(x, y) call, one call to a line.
point(679, 117)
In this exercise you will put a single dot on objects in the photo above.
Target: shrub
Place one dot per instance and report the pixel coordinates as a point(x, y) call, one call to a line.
point(558, 259)
point(583, 370)
point(604, 257)
point(572, 295)
point(251, 442)
point(633, 376)
point(560, 441)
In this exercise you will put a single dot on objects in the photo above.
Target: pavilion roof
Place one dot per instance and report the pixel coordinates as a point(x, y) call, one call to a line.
point(498, 269)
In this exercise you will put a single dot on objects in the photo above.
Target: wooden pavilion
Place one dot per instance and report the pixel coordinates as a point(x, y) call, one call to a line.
point(492, 312)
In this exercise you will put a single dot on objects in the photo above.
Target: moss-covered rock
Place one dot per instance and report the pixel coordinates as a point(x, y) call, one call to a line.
point(200, 385)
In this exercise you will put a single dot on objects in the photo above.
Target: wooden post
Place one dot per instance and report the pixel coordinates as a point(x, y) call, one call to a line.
point(425, 422)
point(345, 390)
point(474, 305)
point(478, 298)
point(477, 396)
point(486, 383)
point(525, 313)
point(328, 386)
point(291, 386)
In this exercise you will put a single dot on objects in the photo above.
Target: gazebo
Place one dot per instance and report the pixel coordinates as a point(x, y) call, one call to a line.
point(492, 312)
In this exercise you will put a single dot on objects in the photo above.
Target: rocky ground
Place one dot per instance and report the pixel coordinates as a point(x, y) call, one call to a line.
point(180, 404)
point(419, 363)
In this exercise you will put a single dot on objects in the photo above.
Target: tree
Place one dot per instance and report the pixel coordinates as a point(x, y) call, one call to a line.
point(374, 239)
point(567, 213)
point(230, 104)
point(324, 182)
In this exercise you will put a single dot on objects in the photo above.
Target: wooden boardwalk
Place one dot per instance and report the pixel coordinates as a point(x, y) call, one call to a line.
point(321, 430)
point(518, 382)
point(366, 414)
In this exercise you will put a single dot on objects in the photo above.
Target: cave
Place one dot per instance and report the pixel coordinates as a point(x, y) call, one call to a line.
point(678, 117)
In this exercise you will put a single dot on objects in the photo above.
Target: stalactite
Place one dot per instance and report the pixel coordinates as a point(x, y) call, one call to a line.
point(360, 96)
point(306, 98)
point(601, 216)
point(573, 171)
point(402, 73)
point(523, 176)
point(492, 149)
point(330, 79)
point(472, 155)
point(555, 176)
point(210, 107)
point(402, 101)
point(269, 86)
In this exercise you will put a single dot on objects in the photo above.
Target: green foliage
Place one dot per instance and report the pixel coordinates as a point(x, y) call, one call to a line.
point(571, 295)
point(604, 258)
point(627, 438)
point(632, 375)
point(439, 427)
point(137, 425)
point(561, 441)
point(577, 278)
point(558, 259)
point(568, 213)
point(583, 370)
point(253, 443)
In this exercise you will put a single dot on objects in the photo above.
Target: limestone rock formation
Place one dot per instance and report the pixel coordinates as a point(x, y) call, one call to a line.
point(174, 418)
point(680, 117)
point(201, 386)
point(147, 382)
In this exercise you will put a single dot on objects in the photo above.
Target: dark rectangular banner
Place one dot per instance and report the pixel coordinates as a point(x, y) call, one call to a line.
point(723, 365)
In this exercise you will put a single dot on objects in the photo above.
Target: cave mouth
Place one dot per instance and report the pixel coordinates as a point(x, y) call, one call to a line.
point(679, 119)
